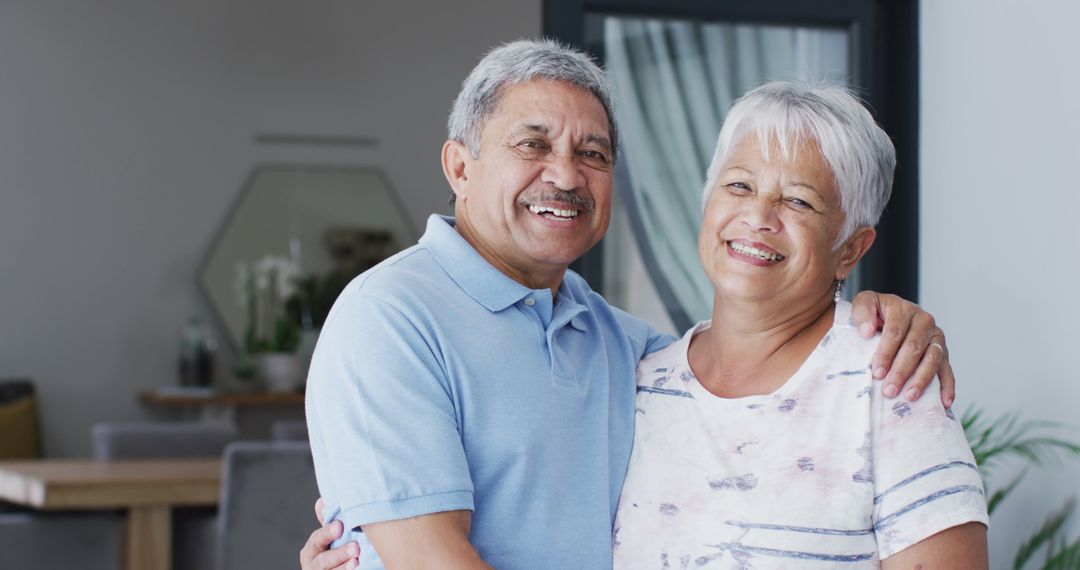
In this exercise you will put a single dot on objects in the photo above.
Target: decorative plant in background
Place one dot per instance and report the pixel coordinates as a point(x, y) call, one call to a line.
point(993, 440)
point(264, 289)
point(285, 308)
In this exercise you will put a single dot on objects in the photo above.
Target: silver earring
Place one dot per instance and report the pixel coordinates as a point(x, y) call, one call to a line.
point(839, 294)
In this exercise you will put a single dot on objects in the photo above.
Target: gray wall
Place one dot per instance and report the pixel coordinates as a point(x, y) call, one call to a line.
point(126, 131)
point(1000, 198)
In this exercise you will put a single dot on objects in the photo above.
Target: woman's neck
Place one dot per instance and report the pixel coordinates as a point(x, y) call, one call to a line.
point(754, 348)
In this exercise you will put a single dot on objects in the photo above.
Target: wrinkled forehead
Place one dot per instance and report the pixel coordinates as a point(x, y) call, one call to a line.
point(535, 97)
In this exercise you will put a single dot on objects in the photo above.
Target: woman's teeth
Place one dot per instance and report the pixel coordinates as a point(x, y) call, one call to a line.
point(760, 254)
point(541, 210)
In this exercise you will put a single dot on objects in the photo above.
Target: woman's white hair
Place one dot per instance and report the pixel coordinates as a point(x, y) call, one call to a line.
point(859, 153)
point(519, 62)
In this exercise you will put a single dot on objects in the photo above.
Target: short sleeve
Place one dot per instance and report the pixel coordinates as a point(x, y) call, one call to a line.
point(644, 337)
point(925, 477)
point(383, 425)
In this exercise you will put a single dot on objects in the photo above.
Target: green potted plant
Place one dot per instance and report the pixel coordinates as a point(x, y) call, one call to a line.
point(997, 439)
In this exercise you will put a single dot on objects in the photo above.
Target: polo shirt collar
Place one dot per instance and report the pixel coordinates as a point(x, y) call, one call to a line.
point(487, 285)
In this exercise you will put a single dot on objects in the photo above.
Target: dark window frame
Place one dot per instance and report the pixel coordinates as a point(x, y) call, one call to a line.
point(885, 61)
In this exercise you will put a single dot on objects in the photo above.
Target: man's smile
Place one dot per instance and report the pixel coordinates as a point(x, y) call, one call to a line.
point(553, 213)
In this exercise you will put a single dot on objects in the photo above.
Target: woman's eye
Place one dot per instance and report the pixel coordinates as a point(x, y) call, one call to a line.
point(739, 188)
point(800, 204)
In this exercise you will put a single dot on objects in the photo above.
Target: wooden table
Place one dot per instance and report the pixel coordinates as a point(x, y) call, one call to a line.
point(220, 406)
point(147, 489)
point(254, 399)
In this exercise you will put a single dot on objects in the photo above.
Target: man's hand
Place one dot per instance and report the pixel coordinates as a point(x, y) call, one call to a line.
point(912, 349)
point(315, 556)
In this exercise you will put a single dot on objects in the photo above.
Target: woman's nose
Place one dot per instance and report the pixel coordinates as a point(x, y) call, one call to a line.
point(760, 215)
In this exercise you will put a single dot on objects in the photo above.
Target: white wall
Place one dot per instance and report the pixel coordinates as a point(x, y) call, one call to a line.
point(1000, 212)
point(126, 131)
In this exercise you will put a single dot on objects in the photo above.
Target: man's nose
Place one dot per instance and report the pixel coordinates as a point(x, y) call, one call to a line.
point(563, 171)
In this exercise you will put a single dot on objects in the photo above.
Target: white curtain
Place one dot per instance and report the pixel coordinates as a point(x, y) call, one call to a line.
point(673, 81)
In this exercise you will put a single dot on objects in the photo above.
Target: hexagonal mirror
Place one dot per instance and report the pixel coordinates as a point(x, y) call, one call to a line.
point(296, 236)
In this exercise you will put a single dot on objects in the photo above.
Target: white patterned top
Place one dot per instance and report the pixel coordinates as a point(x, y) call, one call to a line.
point(825, 472)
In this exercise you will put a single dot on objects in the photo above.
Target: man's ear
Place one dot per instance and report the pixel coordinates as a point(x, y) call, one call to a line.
point(853, 249)
point(456, 159)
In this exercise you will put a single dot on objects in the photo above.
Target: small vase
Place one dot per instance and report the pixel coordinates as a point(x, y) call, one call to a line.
point(280, 370)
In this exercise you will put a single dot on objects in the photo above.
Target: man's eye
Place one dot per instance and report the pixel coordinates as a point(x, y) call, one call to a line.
point(595, 155)
point(533, 145)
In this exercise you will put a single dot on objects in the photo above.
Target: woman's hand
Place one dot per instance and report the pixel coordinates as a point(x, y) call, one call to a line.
point(315, 556)
point(912, 349)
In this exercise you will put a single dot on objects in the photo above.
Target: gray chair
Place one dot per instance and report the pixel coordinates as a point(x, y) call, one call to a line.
point(34, 539)
point(194, 533)
point(267, 492)
point(88, 541)
point(159, 440)
point(289, 430)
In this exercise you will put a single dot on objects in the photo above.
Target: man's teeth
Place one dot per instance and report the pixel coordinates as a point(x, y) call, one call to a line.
point(760, 254)
point(556, 211)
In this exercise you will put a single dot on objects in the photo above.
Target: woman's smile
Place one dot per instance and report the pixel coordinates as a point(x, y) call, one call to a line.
point(754, 253)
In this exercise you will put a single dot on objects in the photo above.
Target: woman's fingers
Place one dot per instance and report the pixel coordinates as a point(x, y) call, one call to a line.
point(315, 556)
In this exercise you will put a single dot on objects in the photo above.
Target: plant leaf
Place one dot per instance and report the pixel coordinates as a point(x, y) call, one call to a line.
point(1066, 557)
point(1000, 494)
point(1051, 526)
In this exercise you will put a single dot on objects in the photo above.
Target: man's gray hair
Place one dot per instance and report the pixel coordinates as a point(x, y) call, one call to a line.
point(859, 153)
point(519, 62)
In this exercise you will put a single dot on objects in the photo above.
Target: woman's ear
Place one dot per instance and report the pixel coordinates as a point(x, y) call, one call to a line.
point(455, 164)
point(853, 249)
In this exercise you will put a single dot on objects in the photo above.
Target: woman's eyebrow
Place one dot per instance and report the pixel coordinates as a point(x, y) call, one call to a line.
point(737, 167)
point(809, 187)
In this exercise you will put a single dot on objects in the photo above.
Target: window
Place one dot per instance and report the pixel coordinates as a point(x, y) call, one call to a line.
point(676, 66)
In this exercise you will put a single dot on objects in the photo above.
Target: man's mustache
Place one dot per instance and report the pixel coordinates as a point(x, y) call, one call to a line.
point(571, 199)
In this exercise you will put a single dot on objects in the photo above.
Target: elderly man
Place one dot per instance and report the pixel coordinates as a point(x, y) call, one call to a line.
point(471, 402)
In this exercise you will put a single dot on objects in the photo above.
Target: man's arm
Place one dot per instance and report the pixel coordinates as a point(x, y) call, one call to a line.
point(383, 430)
point(439, 540)
point(912, 350)
point(961, 547)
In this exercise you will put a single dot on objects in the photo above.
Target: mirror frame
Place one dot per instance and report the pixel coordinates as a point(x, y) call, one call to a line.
point(245, 188)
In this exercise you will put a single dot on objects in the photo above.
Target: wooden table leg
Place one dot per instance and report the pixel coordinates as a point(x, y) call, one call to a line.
point(149, 538)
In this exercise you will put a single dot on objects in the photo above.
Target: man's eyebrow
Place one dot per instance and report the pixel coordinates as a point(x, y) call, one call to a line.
point(544, 130)
point(600, 140)
point(538, 129)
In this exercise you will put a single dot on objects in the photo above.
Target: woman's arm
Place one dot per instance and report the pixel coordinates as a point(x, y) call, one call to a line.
point(961, 547)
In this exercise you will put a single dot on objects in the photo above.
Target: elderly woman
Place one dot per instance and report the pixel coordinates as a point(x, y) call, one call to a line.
point(761, 439)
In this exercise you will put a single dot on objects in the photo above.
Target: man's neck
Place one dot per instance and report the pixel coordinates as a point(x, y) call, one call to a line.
point(533, 278)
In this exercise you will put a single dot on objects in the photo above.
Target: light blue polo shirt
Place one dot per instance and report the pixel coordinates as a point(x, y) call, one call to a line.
point(441, 384)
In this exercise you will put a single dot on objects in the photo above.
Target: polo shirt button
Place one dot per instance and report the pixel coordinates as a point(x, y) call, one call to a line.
point(530, 301)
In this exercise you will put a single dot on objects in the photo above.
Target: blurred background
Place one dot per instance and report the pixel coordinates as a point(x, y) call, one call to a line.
point(177, 179)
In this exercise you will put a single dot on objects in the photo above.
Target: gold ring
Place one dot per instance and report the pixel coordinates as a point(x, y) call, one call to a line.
point(938, 345)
